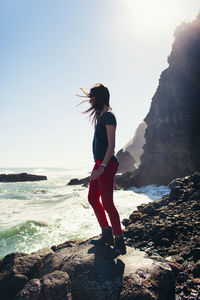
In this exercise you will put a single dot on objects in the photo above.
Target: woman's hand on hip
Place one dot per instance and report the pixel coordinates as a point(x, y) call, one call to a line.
point(97, 173)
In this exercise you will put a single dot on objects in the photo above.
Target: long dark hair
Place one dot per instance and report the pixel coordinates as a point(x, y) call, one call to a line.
point(101, 97)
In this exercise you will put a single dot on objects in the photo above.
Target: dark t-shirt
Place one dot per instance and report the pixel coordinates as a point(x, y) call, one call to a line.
point(100, 141)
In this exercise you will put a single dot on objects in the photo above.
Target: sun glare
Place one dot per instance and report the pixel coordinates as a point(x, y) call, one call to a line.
point(152, 16)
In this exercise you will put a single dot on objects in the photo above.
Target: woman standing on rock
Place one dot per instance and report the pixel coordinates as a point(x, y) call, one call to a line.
point(105, 168)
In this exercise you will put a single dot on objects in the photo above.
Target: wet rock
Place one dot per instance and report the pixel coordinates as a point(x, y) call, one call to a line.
point(21, 177)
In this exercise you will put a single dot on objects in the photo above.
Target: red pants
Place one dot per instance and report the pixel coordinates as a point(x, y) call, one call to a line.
point(103, 186)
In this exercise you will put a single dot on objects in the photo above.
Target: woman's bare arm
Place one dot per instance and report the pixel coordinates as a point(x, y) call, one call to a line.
point(110, 129)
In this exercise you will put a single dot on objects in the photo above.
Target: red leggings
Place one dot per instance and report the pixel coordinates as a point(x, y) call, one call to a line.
point(103, 186)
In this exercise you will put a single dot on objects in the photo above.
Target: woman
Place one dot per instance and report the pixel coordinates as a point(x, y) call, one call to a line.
point(105, 168)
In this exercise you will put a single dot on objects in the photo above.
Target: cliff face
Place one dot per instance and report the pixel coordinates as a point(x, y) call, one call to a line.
point(172, 147)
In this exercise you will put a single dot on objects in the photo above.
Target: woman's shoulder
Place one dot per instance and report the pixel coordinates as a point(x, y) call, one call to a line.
point(109, 117)
point(109, 113)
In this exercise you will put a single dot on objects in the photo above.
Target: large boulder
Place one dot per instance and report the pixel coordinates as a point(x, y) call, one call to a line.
point(93, 276)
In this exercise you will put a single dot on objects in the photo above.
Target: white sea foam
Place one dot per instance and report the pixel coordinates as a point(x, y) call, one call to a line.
point(39, 214)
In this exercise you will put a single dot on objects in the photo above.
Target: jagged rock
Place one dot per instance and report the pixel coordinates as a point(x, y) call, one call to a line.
point(53, 286)
point(21, 177)
point(126, 161)
point(172, 147)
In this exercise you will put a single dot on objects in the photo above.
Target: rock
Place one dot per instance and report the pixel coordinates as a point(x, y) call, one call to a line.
point(190, 283)
point(84, 181)
point(126, 161)
point(175, 183)
point(31, 291)
point(94, 277)
point(21, 177)
point(195, 252)
point(182, 277)
point(53, 286)
point(186, 290)
point(121, 181)
point(16, 270)
point(167, 222)
point(70, 243)
point(43, 253)
point(196, 270)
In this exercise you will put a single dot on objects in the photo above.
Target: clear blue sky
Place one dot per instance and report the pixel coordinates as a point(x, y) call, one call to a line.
point(49, 49)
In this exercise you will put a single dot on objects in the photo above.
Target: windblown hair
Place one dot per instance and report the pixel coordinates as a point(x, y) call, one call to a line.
point(101, 97)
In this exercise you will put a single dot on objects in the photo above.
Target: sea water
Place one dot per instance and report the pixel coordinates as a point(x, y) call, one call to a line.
point(36, 215)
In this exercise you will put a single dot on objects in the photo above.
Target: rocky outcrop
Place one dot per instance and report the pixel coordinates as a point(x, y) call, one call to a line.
point(81, 272)
point(170, 227)
point(84, 181)
point(118, 183)
point(172, 147)
point(126, 161)
point(135, 145)
point(21, 177)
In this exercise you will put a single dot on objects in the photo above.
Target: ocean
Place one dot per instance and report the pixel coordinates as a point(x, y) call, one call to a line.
point(36, 215)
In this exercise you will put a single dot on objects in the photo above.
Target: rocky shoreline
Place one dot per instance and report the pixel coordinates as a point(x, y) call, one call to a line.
point(170, 227)
point(162, 260)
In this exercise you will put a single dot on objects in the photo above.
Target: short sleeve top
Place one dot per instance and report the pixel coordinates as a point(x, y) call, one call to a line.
point(100, 141)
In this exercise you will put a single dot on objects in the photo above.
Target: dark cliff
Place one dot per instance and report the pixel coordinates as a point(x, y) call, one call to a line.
point(172, 147)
